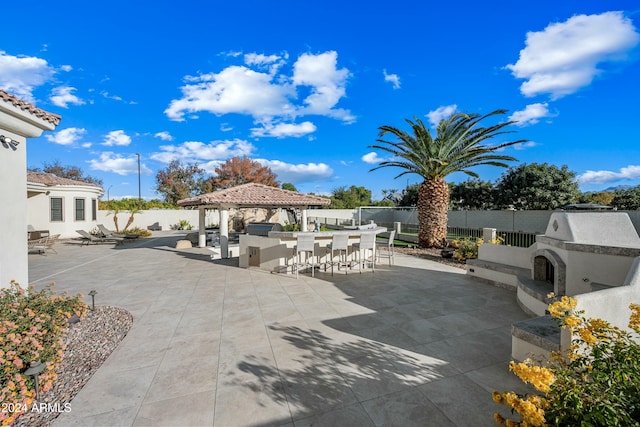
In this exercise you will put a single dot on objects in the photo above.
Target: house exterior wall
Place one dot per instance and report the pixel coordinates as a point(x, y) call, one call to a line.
point(19, 125)
point(39, 209)
point(13, 218)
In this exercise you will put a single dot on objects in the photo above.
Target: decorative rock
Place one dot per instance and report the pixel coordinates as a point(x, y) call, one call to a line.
point(183, 244)
point(88, 344)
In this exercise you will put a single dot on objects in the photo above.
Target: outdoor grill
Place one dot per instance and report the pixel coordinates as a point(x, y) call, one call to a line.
point(262, 228)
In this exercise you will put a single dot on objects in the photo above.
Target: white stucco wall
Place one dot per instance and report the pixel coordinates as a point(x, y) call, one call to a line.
point(39, 210)
point(19, 125)
point(13, 220)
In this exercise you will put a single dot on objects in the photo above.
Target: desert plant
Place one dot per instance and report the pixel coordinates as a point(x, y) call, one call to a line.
point(32, 327)
point(138, 231)
point(595, 383)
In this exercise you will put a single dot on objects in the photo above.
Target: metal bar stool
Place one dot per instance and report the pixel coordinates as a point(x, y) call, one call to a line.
point(367, 243)
point(340, 244)
point(385, 249)
point(305, 244)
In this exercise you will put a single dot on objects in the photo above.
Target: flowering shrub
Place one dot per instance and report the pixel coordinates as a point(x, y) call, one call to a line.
point(595, 383)
point(467, 247)
point(32, 325)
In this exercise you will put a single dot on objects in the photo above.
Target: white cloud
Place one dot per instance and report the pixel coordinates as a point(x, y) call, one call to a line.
point(525, 145)
point(282, 130)
point(440, 113)
point(393, 78)
point(20, 75)
point(372, 158)
point(66, 68)
point(62, 96)
point(107, 95)
point(563, 57)
point(117, 137)
point(630, 172)
point(196, 151)
point(164, 135)
point(531, 114)
point(235, 89)
point(328, 84)
point(66, 136)
point(298, 173)
point(112, 162)
point(267, 96)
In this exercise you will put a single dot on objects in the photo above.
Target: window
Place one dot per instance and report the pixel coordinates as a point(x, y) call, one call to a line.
point(56, 208)
point(79, 209)
point(94, 209)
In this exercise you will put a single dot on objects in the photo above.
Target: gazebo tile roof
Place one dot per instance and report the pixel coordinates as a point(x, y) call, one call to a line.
point(26, 106)
point(253, 194)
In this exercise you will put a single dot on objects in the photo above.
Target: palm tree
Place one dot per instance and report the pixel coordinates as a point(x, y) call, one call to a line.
point(456, 148)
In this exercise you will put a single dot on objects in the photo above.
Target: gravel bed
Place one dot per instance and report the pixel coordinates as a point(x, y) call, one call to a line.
point(431, 254)
point(88, 344)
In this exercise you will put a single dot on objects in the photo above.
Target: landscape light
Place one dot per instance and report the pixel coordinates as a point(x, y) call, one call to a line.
point(33, 370)
point(93, 299)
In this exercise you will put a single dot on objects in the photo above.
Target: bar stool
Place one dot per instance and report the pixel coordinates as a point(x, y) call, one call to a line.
point(385, 249)
point(305, 244)
point(367, 243)
point(340, 244)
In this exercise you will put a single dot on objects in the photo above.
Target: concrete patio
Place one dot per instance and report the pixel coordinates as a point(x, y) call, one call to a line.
point(418, 343)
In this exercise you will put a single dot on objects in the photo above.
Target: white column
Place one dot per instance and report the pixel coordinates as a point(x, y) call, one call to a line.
point(303, 226)
point(202, 232)
point(224, 232)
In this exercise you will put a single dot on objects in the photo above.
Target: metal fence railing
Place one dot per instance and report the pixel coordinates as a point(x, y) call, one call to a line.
point(512, 238)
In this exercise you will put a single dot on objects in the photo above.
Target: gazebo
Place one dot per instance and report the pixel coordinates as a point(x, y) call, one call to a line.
point(250, 195)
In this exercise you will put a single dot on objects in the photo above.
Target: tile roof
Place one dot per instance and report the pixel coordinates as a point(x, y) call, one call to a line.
point(50, 180)
point(24, 105)
point(255, 195)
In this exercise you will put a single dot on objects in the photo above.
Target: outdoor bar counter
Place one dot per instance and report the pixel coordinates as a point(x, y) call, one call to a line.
point(275, 252)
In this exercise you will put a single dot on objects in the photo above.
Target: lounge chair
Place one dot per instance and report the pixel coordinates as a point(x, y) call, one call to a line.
point(155, 227)
point(90, 238)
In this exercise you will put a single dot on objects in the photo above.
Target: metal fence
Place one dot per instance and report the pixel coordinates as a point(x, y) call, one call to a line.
point(510, 238)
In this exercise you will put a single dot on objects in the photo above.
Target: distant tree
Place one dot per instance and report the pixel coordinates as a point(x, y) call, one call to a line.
point(598, 197)
point(178, 181)
point(238, 171)
point(472, 194)
point(410, 195)
point(627, 199)
point(537, 186)
point(70, 172)
point(458, 146)
point(288, 186)
point(349, 198)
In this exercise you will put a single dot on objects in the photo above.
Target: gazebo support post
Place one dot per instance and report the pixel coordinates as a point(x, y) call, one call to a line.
point(224, 232)
point(202, 231)
point(303, 226)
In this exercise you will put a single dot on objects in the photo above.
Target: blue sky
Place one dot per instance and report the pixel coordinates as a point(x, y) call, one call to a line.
point(302, 86)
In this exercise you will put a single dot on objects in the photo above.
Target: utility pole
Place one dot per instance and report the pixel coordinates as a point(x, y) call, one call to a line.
point(139, 194)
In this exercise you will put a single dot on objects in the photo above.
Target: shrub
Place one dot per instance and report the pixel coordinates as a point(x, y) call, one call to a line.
point(138, 231)
point(595, 383)
point(32, 326)
point(467, 247)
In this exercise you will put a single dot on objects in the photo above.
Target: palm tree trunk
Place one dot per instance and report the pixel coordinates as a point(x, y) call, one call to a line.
point(115, 222)
point(433, 204)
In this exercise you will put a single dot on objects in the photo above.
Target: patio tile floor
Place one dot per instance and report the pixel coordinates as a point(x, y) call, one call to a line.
point(417, 343)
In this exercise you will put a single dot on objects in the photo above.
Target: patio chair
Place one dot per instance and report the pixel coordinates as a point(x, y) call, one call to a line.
point(384, 249)
point(340, 245)
point(90, 238)
point(366, 244)
point(43, 244)
point(305, 244)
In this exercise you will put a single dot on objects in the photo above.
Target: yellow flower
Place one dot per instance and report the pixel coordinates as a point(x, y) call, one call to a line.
point(497, 397)
point(572, 321)
point(541, 378)
point(587, 336)
point(634, 319)
point(498, 418)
